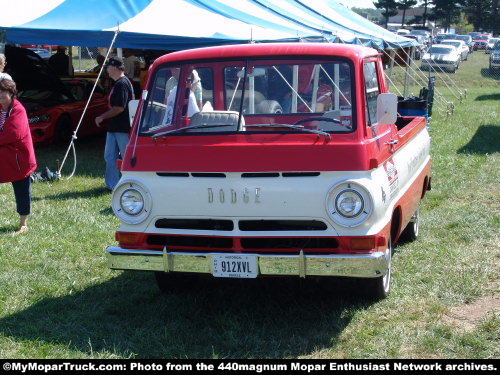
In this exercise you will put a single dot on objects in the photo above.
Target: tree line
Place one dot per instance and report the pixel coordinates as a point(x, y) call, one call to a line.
point(484, 15)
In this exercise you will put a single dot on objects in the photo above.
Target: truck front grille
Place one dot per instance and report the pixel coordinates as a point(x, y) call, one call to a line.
point(289, 243)
point(191, 241)
point(197, 224)
point(281, 225)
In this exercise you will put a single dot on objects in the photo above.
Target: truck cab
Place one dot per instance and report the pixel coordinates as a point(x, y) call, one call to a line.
point(267, 160)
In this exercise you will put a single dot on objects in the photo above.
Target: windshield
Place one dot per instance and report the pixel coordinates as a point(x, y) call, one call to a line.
point(452, 43)
point(497, 45)
point(251, 96)
point(440, 50)
point(465, 38)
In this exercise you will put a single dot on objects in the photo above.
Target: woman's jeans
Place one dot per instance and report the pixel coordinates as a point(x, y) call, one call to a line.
point(116, 143)
point(22, 191)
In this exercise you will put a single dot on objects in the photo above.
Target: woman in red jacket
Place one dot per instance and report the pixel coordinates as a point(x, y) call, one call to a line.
point(17, 156)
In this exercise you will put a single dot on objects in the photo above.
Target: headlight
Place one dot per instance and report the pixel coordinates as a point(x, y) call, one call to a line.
point(349, 204)
point(132, 201)
point(38, 119)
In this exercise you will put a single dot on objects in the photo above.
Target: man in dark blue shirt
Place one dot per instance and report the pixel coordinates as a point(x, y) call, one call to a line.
point(117, 137)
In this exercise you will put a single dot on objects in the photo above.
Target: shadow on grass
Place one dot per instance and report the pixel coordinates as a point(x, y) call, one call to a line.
point(485, 141)
point(108, 211)
point(487, 73)
point(488, 97)
point(9, 229)
point(127, 316)
point(92, 193)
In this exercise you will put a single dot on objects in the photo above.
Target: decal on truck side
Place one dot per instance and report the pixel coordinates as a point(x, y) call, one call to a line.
point(392, 177)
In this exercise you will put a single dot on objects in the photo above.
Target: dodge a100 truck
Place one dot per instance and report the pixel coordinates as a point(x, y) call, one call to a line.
point(265, 160)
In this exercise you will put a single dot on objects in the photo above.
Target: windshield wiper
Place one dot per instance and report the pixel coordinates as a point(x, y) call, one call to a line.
point(296, 127)
point(189, 127)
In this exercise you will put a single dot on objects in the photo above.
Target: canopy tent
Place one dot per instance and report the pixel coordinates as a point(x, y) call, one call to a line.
point(182, 24)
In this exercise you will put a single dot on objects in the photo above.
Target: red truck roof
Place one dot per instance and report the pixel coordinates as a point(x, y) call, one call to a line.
point(269, 49)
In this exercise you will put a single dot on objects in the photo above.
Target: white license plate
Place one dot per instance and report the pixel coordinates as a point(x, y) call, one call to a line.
point(235, 266)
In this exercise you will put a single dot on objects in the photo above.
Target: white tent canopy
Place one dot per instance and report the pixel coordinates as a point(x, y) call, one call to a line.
point(181, 24)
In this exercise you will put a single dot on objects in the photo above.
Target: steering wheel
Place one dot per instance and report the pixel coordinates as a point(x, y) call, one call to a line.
point(327, 119)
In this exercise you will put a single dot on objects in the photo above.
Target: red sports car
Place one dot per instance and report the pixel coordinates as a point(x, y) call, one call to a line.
point(54, 104)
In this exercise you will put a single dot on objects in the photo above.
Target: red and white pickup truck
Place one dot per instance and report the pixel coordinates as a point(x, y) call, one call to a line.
point(269, 160)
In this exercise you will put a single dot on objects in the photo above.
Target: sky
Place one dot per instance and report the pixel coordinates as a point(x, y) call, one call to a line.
point(357, 3)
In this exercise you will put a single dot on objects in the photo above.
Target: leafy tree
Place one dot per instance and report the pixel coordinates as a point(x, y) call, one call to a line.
point(484, 14)
point(404, 5)
point(446, 11)
point(388, 8)
point(425, 4)
point(373, 15)
point(479, 12)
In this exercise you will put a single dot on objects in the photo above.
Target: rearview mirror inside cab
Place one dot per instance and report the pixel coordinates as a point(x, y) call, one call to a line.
point(387, 109)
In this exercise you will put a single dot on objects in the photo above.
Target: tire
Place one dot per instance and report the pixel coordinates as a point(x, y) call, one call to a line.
point(63, 131)
point(269, 106)
point(379, 288)
point(411, 232)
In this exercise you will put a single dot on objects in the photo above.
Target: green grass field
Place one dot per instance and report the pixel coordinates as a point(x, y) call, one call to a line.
point(58, 299)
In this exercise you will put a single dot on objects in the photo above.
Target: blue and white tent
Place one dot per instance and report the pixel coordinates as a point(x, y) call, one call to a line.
point(181, 24)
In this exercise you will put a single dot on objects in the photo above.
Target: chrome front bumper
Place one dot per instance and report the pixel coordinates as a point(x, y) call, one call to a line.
point(369, 265)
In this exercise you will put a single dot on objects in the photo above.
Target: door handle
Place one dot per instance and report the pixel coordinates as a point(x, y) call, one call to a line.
point(392, 143)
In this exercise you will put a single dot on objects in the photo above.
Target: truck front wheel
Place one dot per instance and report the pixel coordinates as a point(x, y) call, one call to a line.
point(410, 233)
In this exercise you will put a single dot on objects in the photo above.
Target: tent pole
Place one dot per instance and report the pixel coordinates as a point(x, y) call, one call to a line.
point(72, 143)
point(392, 53)
point(407, 76)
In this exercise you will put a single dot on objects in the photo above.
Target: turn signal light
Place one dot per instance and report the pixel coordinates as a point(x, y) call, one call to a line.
point(362, 244)
point(127, 239)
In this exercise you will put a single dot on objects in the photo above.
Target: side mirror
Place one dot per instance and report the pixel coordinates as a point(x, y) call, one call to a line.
point(132, 109)
point(387, 109)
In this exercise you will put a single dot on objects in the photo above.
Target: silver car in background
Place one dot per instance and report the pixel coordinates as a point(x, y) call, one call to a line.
point(495, 57)
point(467, 39)
point(441, 57)
point(491, 44)
point(461, 46)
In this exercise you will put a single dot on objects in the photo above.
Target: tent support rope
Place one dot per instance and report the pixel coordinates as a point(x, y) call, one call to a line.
point(74, 137)
point(447, 104)
point(460, 94)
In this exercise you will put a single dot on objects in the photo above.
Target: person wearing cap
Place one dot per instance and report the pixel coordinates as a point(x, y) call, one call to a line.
point(117, 137)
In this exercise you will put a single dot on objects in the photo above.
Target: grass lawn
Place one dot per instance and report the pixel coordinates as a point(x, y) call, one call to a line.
point(58, 299)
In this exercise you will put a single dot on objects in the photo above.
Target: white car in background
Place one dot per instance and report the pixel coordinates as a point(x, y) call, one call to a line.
point(461, 46)
point(491, 44)
point(441, 57)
